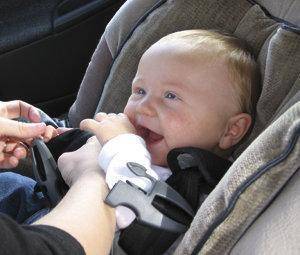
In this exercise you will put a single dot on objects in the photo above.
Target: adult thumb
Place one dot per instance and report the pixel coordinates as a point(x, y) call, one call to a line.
point(12, 128)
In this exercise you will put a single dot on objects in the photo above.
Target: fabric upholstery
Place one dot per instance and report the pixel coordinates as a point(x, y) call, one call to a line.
point(23, 22)
point(276, 231)
point(248, 187)
point(90, 90)
point(287, 10)
point(279, 59)
point(110, 43)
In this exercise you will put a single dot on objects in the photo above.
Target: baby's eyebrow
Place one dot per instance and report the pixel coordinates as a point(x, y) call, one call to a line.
point(137, 79)
point(178, 85)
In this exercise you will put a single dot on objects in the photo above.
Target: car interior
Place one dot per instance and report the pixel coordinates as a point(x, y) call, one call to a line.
point(45, 47)
point(76, 58)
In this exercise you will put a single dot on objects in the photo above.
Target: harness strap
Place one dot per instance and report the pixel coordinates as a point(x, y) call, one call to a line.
point(193, 184)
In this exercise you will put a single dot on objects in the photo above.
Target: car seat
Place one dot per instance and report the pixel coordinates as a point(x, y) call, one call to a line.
point(253, 210)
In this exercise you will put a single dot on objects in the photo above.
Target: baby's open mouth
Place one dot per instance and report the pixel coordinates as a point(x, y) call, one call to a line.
point(148, 135)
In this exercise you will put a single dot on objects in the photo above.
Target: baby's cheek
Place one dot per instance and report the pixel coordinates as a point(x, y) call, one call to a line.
point(129, 110)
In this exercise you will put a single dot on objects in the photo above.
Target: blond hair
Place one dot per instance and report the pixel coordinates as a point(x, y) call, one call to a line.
point(242, 66)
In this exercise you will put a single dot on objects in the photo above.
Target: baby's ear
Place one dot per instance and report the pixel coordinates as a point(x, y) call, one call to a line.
point(237, 127)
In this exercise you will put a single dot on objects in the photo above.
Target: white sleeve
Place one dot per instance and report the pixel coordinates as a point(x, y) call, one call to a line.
point(113, 159)
point(120, 150)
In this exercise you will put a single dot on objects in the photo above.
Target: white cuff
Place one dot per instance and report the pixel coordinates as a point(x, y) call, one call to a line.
point(126, 144)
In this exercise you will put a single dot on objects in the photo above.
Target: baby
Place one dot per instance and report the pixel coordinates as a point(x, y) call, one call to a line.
point(192, 88)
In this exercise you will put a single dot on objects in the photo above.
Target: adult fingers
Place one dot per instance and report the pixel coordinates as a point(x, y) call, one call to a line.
point(8, 162)
point(10, 146)
point(20, 152)
point(2, 146)
point(17, 108)
point(12, 128)
point(14, 148)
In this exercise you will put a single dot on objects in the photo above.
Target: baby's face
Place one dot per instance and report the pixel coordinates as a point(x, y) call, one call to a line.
point(179, 100)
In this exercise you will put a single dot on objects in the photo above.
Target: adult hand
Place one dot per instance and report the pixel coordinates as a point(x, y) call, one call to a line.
point(74, 165)
point(107, 126)
point(12, 132)
point(82, 212)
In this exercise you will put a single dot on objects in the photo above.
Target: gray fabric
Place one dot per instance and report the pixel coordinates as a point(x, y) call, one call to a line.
point(280, 62)
point(292, 97)
point(276, 231)
point(252, 200)
point(23, 22)
point(124, 21)
point(255, 28)
point(288, 9)
point(92, 84)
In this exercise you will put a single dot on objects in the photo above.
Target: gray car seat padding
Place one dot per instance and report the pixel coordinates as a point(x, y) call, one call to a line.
point(276, 231)
point(280, 67)
point(111, 42)
point(248, 187)
point(90, 90)
point(287, 10)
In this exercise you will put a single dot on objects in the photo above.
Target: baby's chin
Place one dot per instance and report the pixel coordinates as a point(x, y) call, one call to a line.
point(159, 157)
point(159, 162)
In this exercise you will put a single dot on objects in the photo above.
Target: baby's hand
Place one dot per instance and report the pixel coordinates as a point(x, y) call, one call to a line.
point(108, 126)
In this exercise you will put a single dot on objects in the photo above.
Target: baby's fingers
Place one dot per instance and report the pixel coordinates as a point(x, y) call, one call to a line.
point(100, 116)
point(91, 126)
point(50, 132)
point(61, 130)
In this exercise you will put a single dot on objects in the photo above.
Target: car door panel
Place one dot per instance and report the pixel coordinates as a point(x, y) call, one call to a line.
point(48, 71)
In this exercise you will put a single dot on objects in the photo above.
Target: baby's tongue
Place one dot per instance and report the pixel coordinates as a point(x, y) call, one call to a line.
point(153, 137)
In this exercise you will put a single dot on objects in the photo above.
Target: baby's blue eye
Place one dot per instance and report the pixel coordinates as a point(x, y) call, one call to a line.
point(140, 91)
point(170, 95)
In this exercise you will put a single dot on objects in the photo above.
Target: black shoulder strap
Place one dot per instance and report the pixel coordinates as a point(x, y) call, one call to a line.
point(211, 167)
point(68, 141)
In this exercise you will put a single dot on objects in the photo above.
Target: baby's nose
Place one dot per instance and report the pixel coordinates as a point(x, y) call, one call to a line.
point(146, 107)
